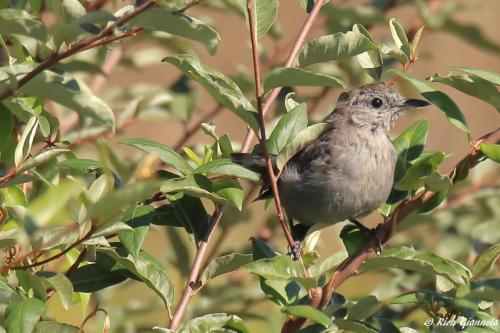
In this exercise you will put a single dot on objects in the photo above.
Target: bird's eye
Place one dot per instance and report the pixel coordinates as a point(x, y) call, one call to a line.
point(377, 102)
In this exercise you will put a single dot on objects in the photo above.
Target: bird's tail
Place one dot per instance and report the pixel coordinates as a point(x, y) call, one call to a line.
point(257, 163)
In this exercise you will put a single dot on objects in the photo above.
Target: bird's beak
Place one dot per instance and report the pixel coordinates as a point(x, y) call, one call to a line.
point(414, 103)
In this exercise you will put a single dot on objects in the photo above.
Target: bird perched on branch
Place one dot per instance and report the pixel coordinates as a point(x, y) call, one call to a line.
point(348, 171)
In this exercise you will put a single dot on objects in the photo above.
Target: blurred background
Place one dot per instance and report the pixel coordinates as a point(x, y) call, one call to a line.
point(133, 68)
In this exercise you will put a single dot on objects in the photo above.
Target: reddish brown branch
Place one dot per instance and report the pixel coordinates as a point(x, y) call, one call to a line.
point(384, 231)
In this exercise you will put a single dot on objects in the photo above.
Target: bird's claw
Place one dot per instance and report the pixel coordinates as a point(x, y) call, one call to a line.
point(295, 251)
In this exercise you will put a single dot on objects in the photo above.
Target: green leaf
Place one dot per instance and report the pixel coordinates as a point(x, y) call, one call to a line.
point(220, 87)
point(196, 185)
point(21, 316)
point(43, 157)
point(419, 261)
point(230, 190)
point(223, 265)
point(492, 151)
point(484, 74)
point(164, 153)
point(224, 167)
point(364, 308)
point(333, 47)
point(399, 37)
point(302, 139)
point(73, 9)
point(173, 22)
point(13, 196)
point(80, 165)
point(188, 212)
point(485, 262)
point(289, 77)
point(60, 283)
point(287, 127)
point(62, 89)
point(139, 218)
point(438, 98)
point(473, 86)
point(54, 327)
point(91, 278)
point(410, 144)
point(354, 239)
point(70, 31)
point(308, 312)
point(112, 204)
point(370, 60)
point(354, 326)
point(327, 265)
point(6, 126)
point(264, 12)
point(26, 141)
point(423, 173)
point(19, 22)
point(214, 323)
point(45, 207)
point(150, 271)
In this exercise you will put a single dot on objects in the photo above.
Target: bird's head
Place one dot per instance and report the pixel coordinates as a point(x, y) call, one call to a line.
point(376, 106)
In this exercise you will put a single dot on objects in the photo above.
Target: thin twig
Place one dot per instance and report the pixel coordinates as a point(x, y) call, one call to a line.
point(189, 5)
point(273, 94)
point(385, 231)
point(195, 270)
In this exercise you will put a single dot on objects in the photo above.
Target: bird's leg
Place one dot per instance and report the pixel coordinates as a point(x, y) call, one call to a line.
point(299, 232)
point(371, 232)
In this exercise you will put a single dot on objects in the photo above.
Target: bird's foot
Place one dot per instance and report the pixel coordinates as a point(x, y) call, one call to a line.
point(372, 232)
point(295, 251)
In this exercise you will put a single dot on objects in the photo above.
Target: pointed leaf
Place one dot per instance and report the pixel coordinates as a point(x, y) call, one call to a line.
point(43, 157)
point(486, 261)
point(492, 151)
point(484, 74)
point(287, 128)
point(290, 77)
point(224, 167)
point(21, 316)
point(306, 311)
point(223, 265)
point(138, 218)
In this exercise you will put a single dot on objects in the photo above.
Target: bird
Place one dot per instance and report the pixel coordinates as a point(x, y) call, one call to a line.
point(348, 171)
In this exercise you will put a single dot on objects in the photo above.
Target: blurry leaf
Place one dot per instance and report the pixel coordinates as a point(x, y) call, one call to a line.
point(485, 262)
point(492, 151)
point(214, 323)
point(471, 34)
point(62, 89)
point(84, 24)
point(73, 9)
point(333, 47)
point(342, 18)
point(224, 264)
point(399, 37)
point(302, 139)
point(12, 196)
point(473, 86)
point(60, 283)
point(19, 22)
point(484, 74)
point(289, 77)
point(364, 308)
point(6, 125)
point(45, 207)
point(80, 165)
point(113, 203)
point(91, 278)
point(261, 249)
point(419, 261)
point(21, 316)
point(288, 126)
point(225, 167)
point(354, 326)
point(54, 327)
point(225, 146)
point(164, 153)
point(181, 258)
point(328, 264)
point(438, 98)
point(139, 218)
point(219, 86)
point(370, 60)
point(192, 155)
point(264, 12)
point(308, 312)
point(43, 157)
point(173, 22)
point(25, 141)
point(150, 271)
point(415, 43)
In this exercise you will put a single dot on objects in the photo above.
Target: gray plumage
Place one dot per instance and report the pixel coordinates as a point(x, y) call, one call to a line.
point(348, 171)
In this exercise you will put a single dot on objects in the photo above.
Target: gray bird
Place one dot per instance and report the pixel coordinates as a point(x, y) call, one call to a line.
point(348, 171)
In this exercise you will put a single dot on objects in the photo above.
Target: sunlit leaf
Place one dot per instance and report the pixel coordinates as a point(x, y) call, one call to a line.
point(306, 311)
point(289, 77)
point(43, 157)
point(491, 150)
point(19, 22)
point(21, 316)
point(265, 13)
point(484, 74)
point(225, 167)
point(486, 261)
point(288, 126)
point(139, 219)
point(370, 60)
point(224, 264)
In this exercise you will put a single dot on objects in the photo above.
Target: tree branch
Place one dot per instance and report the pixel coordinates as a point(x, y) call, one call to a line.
point(385, 231)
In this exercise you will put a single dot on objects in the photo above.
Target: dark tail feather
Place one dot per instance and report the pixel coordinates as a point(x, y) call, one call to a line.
point(257, 163)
